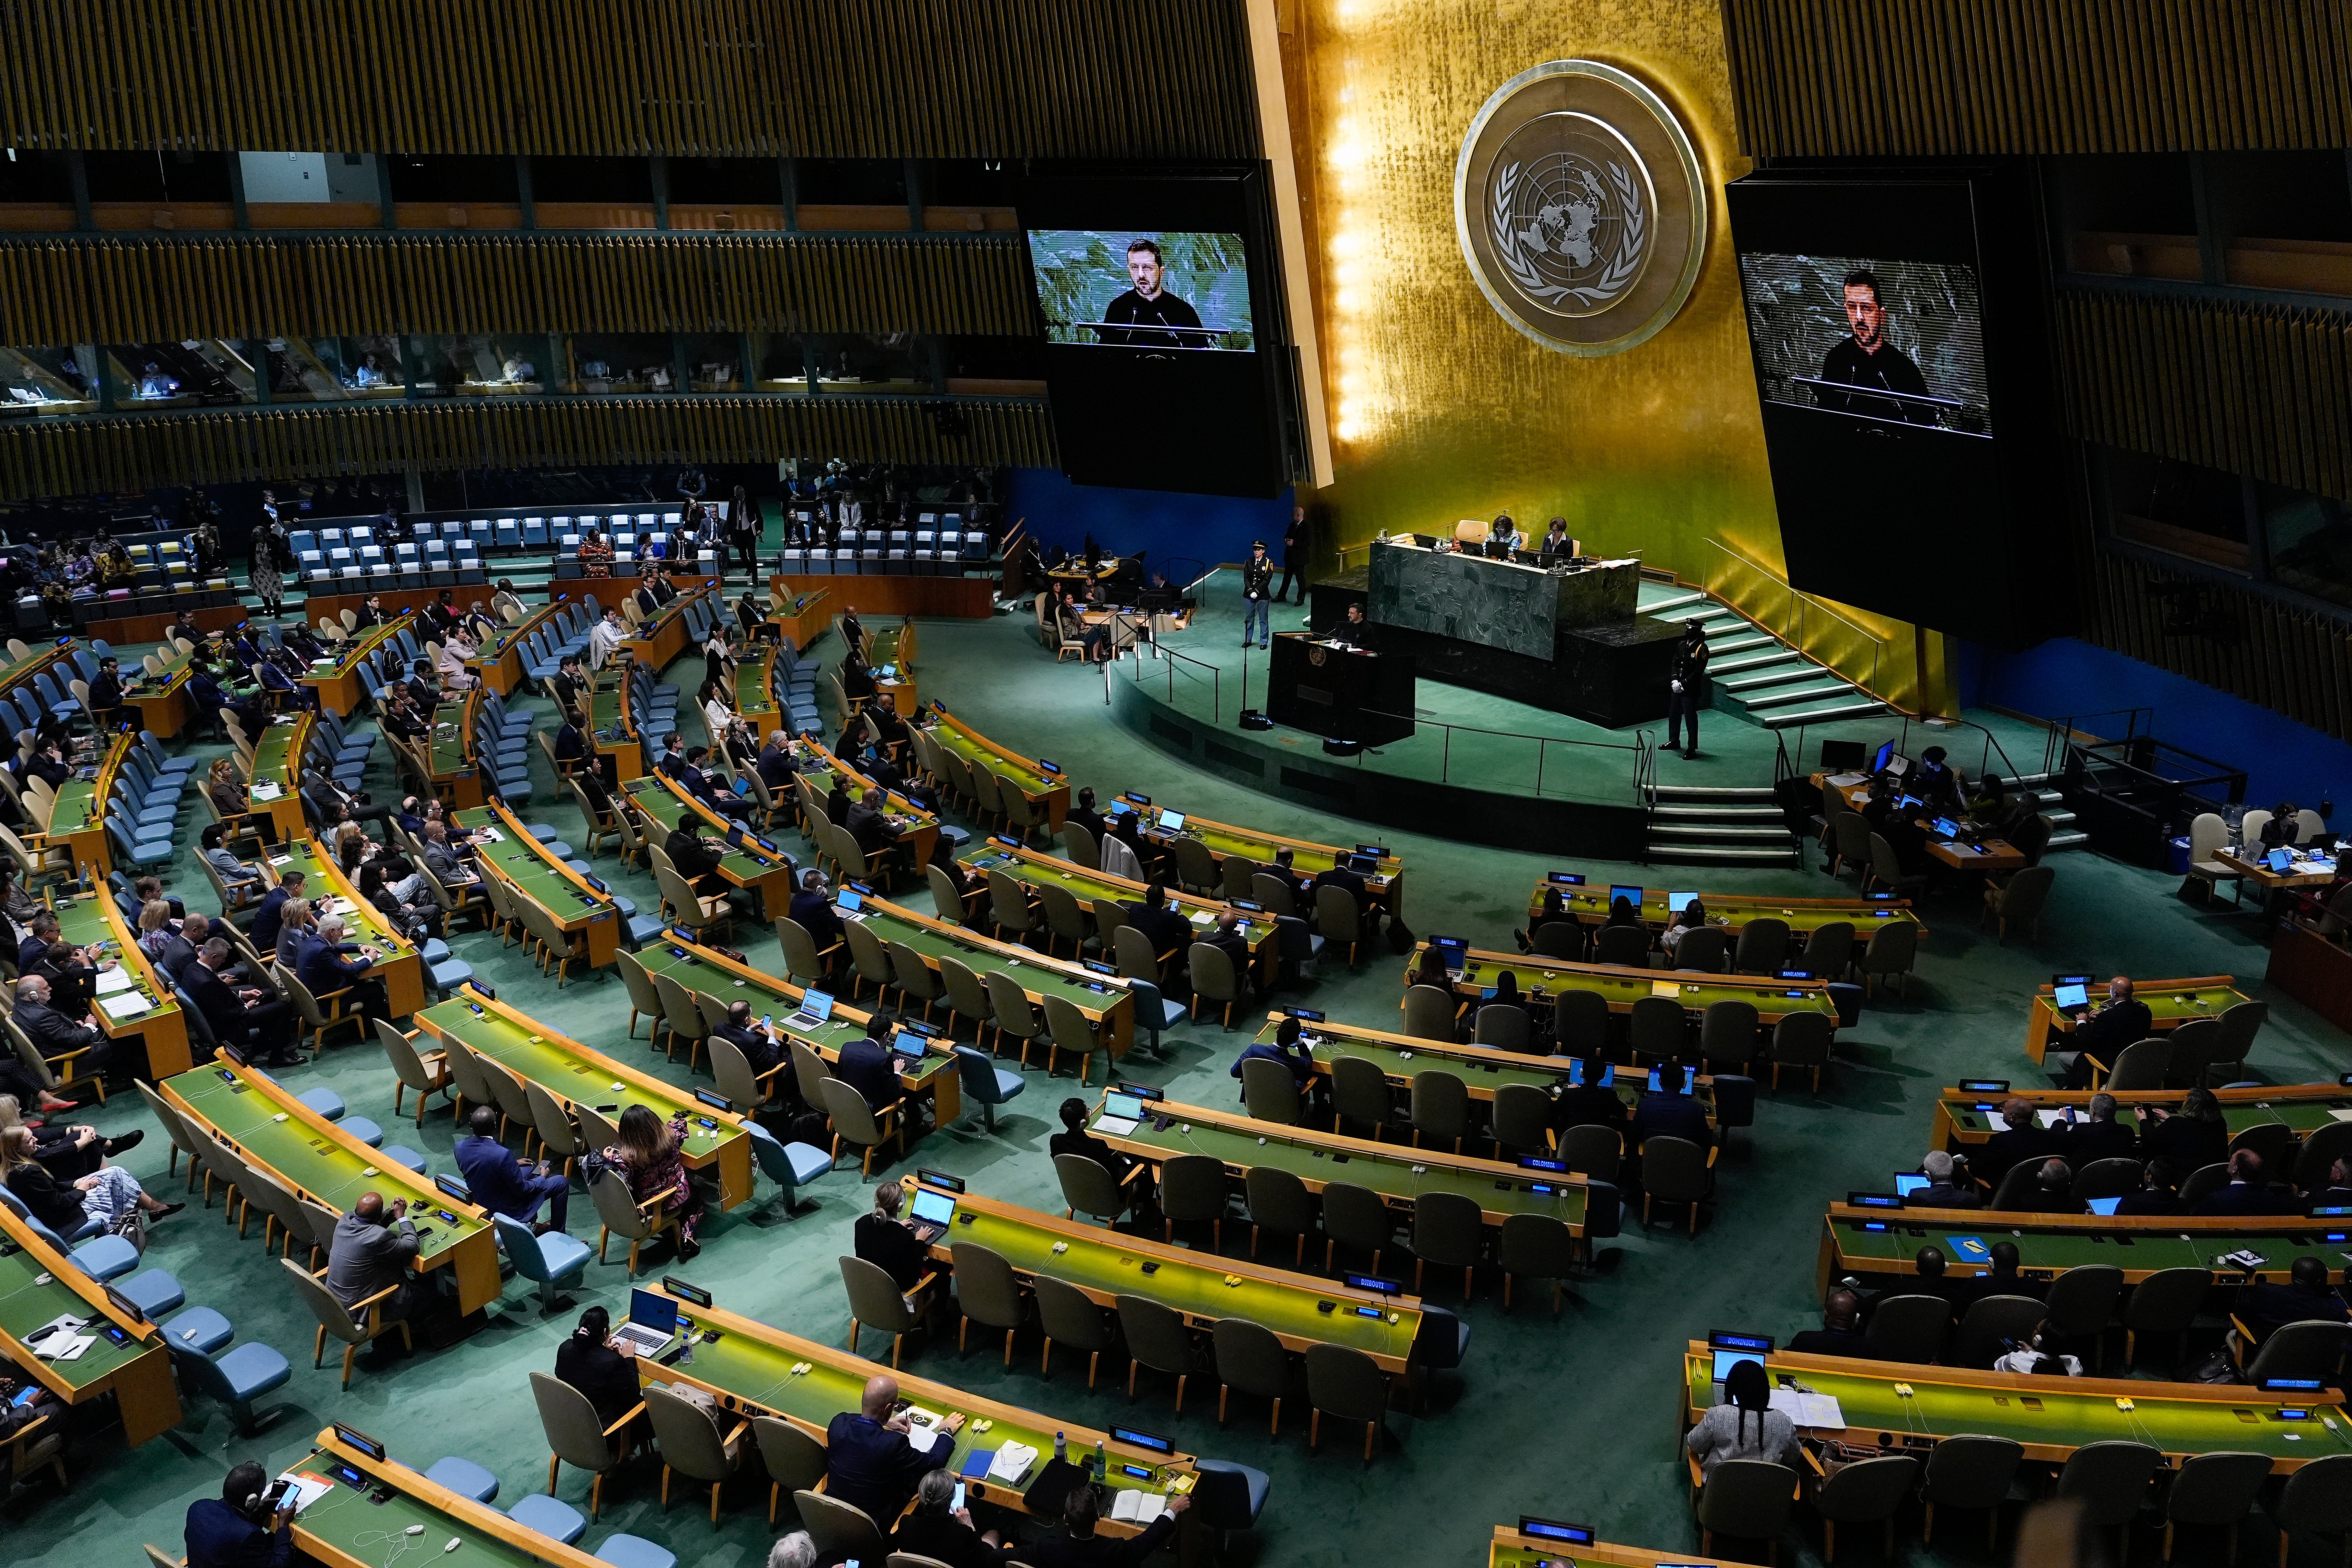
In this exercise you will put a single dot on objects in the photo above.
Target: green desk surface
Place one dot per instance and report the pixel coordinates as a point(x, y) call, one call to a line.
point(1306, 859)
point(80, 805)
point(82, 921)
point(137, 683)
point(2303, 1116)
point(653, 625)
point(772, 999)
point(35, 661)
point(657, 800)
point(451, 755)
point(573, 1074)
point(604, 705)
point(1195, 1288)
point(2171, 1006)
point(274, 754)
point(1311, 1158)
point(2148, 1250)
point(1035, 977)
point(525, 863)
point(1485, 1071)
point(346, 1521)
point(754, 694)
point(1591, 903)
point(328, 1169)
point(2067, 1418)
point(976, 748)
point(1088, 886)
point(351, 650)
point(1542, 979)
point(821, 767)
point(363, 922)
point(753, 1369)
point(884, 650)
point(25, 1306)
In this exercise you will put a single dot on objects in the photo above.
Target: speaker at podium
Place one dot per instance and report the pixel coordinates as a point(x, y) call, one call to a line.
point(1340, 692)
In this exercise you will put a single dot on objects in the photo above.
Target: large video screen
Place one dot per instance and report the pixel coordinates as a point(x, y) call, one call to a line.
point(1168, 291)
point(1898, 341)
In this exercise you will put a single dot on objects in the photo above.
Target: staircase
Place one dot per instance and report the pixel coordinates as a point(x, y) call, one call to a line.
point(1757, 677)
point(1693, 825)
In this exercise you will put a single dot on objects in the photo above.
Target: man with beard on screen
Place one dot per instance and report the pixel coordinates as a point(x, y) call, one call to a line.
point(1866, 358)
point(1150, 304)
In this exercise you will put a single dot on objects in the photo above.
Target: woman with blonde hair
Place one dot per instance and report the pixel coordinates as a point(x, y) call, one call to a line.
point(68, 1151)
point(110, 1194)
point(156, 933)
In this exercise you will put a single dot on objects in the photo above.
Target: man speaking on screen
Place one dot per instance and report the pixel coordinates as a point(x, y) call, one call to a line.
point(1149, 304)
point(1865, 358)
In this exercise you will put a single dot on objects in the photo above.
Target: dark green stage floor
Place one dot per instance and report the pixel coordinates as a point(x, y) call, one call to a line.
point(1573, 1418)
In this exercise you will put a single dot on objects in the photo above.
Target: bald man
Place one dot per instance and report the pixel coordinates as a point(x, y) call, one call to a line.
point(869, 1461)
point(373, 1247)
point(2121, 1020)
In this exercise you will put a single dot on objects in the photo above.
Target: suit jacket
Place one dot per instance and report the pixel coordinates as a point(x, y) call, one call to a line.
point(2185, 1144)
point(2266, 1308)
point(686, 852)
point(776, 769)
point(1588, 1105)
point(1091, 821)
point(2243, 1198)
point(55, 1204)
point(866, 1066)
point(1671, 1116)
point(2146, 1200)
point(1944, 1195)
point(174, 954)
point(943, 1538)
point(366, 1258)
point(444, 862)
point(496, 1180)
point(870, 828)
point(891, 1247)
point(105, 692)
point(52, 1033)
point(219, 1004)
point(2085, 1141)
point(1166, 928)
point(220, 1537)
point(1340, 877)
point(321, 966)
point(815, 913)
point(607, 1377)
point(1099, 1551)
point(870, 1467)
point(2112, 1027)
point(2013, 1146)
point(757, 1049)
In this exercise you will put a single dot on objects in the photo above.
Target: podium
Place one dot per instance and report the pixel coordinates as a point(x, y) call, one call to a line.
point(1342, 694)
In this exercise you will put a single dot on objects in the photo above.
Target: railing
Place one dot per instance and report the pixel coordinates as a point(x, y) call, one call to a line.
point(1172, 658)
point(1643, 746)
point(1804, 626)
point(2063, 732)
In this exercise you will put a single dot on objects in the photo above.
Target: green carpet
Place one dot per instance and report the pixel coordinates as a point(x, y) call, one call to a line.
point(1573, 1418)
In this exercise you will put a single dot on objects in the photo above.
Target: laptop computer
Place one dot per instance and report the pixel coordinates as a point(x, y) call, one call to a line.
point(1946, 829)
point(907, 1044)
point(1675, 901)
point(848, 902)
point(653, 1324)
point(2070, 994)
point(816, 1006)
point(1730, 1350)
point(2102, 1205)
point(1631, 895)
point(932, 1214)
point(1453, 950)
point(1576, 1072)
point(1121, 1114)
point(1171, 821)
point(1905, 1185)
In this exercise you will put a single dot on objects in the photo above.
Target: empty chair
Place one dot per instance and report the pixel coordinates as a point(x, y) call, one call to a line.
point(2165, 1302)
point(1441, 1108)
point(577, 1436)
point(1192, 1189)
point(1800, 1042)
point(1865, 1492)
point(988, 1293)
point(1503, 1026)
point(1156, 1338)
point(1655, 1027)
point(1068, 1317)
point(2310, 1349)
point(1969, 1470)
point(1348, 1385)
point(1891, 951)
point(1592, 1151)
point(2214, 1488)
point(1448, 1229)
point(1676, 1171)
point(1278, 1202)
point(236, 1379)
point(1250, 1358)
point(1581, 1023)
point(692, 1443)
point(2080, 1302)
point(876, 1303)
point(1535, 1246)
point(1907, 1329)
point(1356, 1216)
point(2109, 1480)
point(2318, 1497)
point(1704, 948)
point(1359, 1094)
point(1726, 1032)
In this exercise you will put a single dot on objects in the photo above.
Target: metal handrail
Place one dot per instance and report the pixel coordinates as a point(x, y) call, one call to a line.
point(1217, 679)
point(1643, 746)
point(2062, 732)
point(1879, 646)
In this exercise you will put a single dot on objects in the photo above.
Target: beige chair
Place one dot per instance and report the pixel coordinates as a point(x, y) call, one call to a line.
point(1349, 1385)
point(917, 981)
point(1069, 1029)
point(355, 1326)
point(842, 1531)
point(682, 1018)
point(1337, 921)
point(860, 1126)
point(692, 1443)
point(1215, 980)
point(2018, 901)
point(559, 1140)
point(803, 960)
point(696, 912)
point(732, 1071)
point(1070, 1318)
point(620, 1214)
point(426, 1073)
point(988, 1294)
point(794, 1460)
point(1015, 1014)
point(876, 1303)
point(577, 1436)
point(645, 1002)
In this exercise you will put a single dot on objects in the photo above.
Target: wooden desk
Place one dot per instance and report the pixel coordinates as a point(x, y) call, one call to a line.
point(338, 681)
point(800, 619)
point(528, 870)
point(269, 1127)
point(329, 1529)
point(879, 594)
point(749, 1371)
point(2171, 1002)
point(707, 972)
point(716, 1143)
point(79, 820)
point(93, 921)
point(919, 830)
point(1034, 867)
point(163, 703)
point(1987, 856)
point(1588, 905)
point(137, 1371)
point(1398, 1172)
point(277, 762)
point(1307, 859)
point(1201, 1286)
point(396, 960)
point(1103, 998)
point(2313, 970)
point(1483, 1071)
point(1047, 789)
point(2304, 873)
point(2050, 1417)
point(1509, 1549)
point(616, 728)
point(768, 871)
point(755, 694)
point(2049, 1244)
point(499, 664)
point(894, 645)
point(1961, 1123)
point(661, 636)
point(47, 656)
point(1542, 979)
point(454, 772)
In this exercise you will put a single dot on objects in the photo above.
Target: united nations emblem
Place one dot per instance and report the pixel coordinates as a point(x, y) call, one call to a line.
point(1580, 207)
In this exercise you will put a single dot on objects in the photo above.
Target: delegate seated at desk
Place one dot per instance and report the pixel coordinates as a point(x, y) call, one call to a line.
point(2100, 1038)
point(868, 1461)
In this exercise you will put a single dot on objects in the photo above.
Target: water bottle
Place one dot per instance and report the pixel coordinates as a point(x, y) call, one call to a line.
point(1102, 1464)
point(1061, 1447)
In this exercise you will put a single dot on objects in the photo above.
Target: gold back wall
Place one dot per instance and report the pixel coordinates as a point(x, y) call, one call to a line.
point(1442, 409)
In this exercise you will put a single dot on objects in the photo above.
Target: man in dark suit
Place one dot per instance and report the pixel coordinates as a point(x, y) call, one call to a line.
point(54, 1034)
point(282, 687)
point(34, 945)
point(1669, 1112)
point(1947, 1188)
point(2247, 1193)
point(868, 1461)
point(776, 762)
point(2096, 1135)
point(1226, 937)
point(940, 1533)
point(689, 776)
point(1168, 932)
point(1073, 1139)
point(208, 697)
point(504, 1185)
point(762, 1047)
point(2266, 1308)
point(1085, 814)
point(2337, 1193)
point(696, 858)
point(272, 909)
point(1841, 1330)
point(231, 1532)
point(1590, 1104)
point(324, 796)
point(440, 618)
point(874, 832)
point(2022, 1137)
point(1339, 876)
point(811, 908)
point(106, 695)
point(322, 967)
point(566, 686)
point(2053, 1191)
point(2119, 1021)
point(238, 1018)
point(2001, 1278)
point(864, 1065)
point(1082, 1548)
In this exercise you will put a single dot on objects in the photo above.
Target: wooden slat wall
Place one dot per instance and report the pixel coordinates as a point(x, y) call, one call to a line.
point(70, 290)
point(81, 456)
point(2252, 389)
point(851, 78)
point(1918, 77)
point(2294, 661)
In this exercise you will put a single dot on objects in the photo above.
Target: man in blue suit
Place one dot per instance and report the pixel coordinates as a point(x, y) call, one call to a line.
point(1669, 1112)
point(268, 914)
point(868, 1461)
point(320, 966)
point(504, 1185)
point(2247, 1194)
point(232, 1531)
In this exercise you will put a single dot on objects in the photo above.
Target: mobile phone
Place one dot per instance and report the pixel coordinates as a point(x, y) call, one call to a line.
point(958, 1503)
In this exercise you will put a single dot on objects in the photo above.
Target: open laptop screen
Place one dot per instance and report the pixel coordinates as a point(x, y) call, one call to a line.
point(934, 1208)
